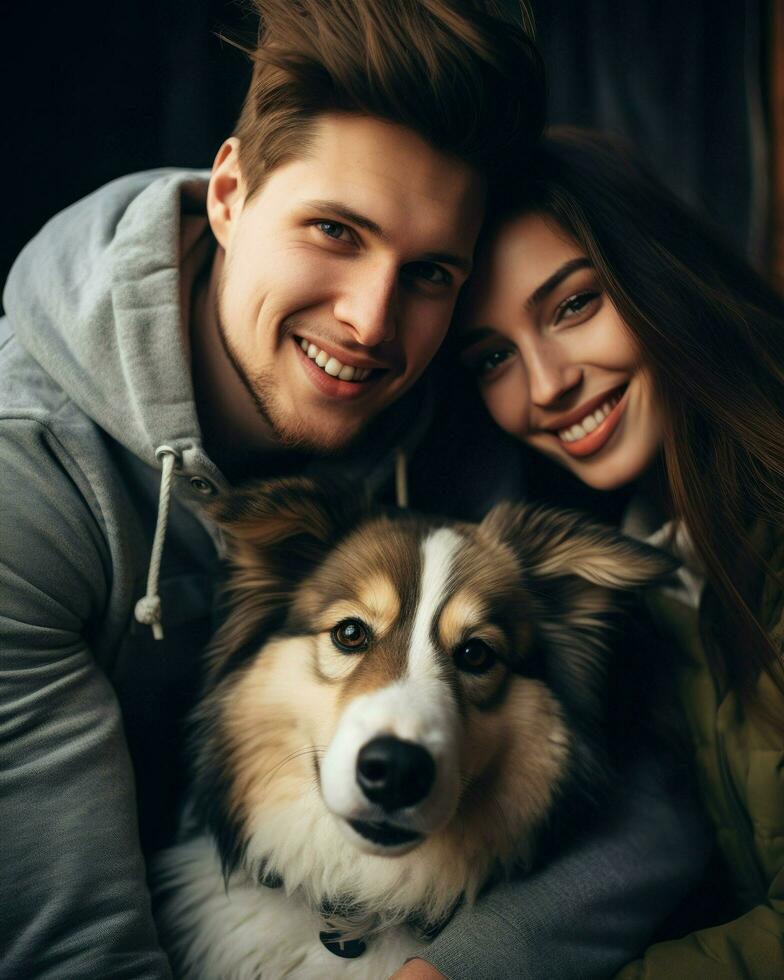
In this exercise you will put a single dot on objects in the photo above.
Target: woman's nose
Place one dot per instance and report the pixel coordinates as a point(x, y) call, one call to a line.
point(551, 375)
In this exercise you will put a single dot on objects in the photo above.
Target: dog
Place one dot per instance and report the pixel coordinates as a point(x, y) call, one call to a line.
point(397, 710)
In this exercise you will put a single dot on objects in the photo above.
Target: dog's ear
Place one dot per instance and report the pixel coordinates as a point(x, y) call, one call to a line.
point(579, 575)
point(276, 532)
point(294, 517)
point(556, 544)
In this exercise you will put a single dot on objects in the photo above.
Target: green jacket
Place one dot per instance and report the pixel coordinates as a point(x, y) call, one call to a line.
point(740, 767)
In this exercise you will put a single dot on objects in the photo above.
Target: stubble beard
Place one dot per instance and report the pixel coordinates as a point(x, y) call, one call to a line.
point(291, 433)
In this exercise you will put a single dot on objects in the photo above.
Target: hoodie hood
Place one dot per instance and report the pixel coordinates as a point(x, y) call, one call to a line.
point(101, 300)
point(98, 299)
point(95, 298)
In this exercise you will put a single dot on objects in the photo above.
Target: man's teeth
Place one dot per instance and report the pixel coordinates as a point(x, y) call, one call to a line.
point(581, 429)
point(332, 366)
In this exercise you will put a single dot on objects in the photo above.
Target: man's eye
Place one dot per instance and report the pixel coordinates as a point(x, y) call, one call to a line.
point(429, 272)
point(332, 229)
point(575, 305)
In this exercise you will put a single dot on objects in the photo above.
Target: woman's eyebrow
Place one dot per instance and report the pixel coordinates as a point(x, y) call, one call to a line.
point(555, 280)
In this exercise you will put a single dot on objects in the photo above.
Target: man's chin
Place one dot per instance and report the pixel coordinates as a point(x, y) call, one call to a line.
point(317, 441)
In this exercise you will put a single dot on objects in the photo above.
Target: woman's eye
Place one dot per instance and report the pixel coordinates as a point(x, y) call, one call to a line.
point(575, 305)
point(429, 272)
point(474, 657)
point(350, 635)
point(332, 229)
point(489, 362)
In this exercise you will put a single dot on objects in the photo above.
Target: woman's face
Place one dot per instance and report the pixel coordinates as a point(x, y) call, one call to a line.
point(555, 364)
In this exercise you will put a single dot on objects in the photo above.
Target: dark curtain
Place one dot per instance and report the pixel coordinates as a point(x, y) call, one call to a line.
point(95, 91)
point(685, 82)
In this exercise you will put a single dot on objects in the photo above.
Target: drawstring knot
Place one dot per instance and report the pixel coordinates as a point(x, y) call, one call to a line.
point(148, 612)
point(148, 609)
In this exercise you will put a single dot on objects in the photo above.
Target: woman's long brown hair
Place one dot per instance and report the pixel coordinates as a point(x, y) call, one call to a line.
point(712, 334)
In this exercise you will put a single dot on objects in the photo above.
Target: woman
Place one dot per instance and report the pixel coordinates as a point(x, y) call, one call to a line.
point(610, 332)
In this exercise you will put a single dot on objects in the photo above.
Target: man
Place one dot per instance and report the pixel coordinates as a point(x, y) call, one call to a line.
point(170, 336)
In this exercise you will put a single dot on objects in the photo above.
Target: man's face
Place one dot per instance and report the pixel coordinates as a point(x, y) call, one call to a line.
point(341, 273)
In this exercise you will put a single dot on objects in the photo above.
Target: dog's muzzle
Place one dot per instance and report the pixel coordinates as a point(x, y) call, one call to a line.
point(390, 772)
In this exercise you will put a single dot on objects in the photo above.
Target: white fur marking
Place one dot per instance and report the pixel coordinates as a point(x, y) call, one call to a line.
point(421, 711)
point(438, 553)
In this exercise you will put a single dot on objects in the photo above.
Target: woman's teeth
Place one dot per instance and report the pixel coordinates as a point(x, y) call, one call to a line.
point(581, 429)
point(332, 366)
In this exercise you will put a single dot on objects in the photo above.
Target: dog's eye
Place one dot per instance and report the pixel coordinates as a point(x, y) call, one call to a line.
point(350, 636)
point(474, 657)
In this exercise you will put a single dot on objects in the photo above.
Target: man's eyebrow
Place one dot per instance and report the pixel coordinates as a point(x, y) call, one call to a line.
point(340, 210)
point(349, 214)
point(555, 280)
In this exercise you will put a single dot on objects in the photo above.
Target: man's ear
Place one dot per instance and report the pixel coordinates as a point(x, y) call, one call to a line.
point(556, 544)
point(226, 191)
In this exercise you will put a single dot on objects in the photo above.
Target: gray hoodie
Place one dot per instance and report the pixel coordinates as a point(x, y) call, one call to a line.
point(95, 393)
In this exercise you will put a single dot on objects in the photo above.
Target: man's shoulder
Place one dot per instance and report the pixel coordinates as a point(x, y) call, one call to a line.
point(29, 394)
point(78, 237)
point(117, 193)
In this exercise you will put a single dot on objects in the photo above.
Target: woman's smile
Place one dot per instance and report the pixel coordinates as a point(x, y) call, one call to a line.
point(556, 366)
point(589, 427)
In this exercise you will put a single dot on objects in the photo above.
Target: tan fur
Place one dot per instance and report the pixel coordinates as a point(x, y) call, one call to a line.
point(459, 616)
point(275, 716)
point(513, 758)
point(379, 595)
point(386, 664)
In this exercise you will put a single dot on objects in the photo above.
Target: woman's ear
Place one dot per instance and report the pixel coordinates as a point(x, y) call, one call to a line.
point(555, 543)
point(226, 191)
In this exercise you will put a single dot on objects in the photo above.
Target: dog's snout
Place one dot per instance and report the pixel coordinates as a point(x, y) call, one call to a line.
point(394, 773)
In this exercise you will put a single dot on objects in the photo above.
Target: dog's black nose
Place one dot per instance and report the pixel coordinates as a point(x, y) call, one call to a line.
point(394, 773)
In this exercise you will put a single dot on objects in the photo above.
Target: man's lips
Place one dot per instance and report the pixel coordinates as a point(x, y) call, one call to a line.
point(334, 387)
point(349, 359)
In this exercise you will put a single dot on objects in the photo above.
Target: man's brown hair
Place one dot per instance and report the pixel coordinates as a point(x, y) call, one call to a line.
point(463, 74)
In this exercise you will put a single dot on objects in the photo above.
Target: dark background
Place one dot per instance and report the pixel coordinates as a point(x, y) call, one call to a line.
point(95, 91)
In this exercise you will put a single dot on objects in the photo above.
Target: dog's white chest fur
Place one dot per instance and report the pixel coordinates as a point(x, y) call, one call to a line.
point(249, 932)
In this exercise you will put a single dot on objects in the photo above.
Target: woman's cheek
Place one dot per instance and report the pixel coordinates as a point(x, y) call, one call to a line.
point(507, 401)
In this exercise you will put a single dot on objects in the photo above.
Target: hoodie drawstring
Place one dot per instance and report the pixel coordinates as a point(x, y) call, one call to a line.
point(148, 609)
point(401, 479)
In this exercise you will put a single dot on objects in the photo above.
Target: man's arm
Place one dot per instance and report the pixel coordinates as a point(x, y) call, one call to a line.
point(593, 908)
point(72, 878)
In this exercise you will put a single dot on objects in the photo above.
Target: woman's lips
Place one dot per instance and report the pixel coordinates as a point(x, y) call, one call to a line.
point(592, 442)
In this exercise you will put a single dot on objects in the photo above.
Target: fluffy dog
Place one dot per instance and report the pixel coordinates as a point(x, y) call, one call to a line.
point(395, 709)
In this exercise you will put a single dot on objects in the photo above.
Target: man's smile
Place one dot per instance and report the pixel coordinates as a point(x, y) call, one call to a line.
point(334, 377)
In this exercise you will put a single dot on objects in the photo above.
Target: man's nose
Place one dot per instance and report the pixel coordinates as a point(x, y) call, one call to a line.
point(368, 305)
point(551, 374)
